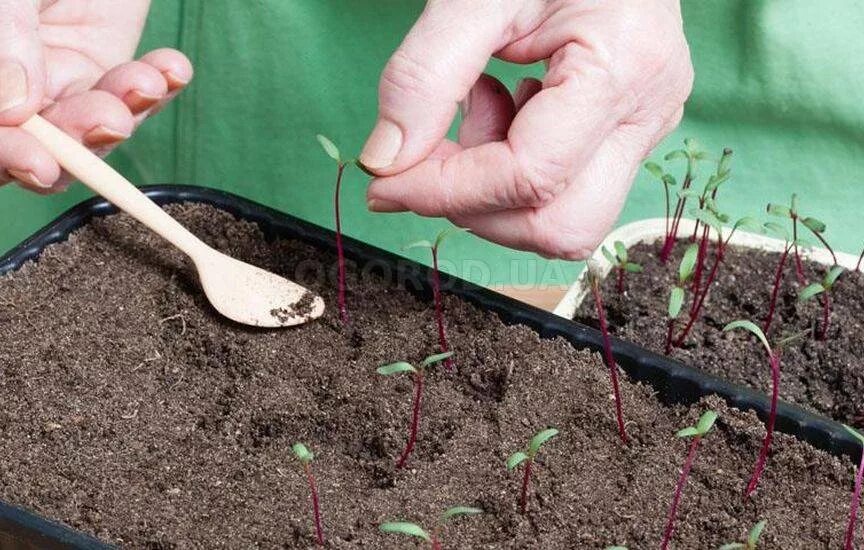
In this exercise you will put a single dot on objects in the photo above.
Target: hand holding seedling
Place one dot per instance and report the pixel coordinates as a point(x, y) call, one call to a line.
point(527, 457)
point(433, 538)
point(544, 169)
point(305, 456)
point(419, 373)
point(752, 539)
point(696, 434)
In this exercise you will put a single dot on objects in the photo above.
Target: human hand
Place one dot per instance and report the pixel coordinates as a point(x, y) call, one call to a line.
point(548, 168)
point(71, 61)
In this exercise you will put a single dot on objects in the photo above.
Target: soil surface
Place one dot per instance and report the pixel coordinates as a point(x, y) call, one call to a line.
point(132, 412)
point(824, 376)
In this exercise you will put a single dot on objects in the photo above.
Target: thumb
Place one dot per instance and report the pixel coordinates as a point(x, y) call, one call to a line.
point(432, 70)
point(22, 68)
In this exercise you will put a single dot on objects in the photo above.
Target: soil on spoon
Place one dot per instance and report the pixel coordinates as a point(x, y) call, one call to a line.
point(132, 412)
point(824, 376)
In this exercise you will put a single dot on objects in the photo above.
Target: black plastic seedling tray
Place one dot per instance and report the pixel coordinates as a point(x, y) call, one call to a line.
point(673, 381)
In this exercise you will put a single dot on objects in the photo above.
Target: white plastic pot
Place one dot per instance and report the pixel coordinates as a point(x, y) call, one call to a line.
point(654, 229)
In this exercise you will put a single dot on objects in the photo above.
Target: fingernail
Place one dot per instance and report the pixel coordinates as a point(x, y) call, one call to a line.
point(101, 136)
point(27, 178)
point(382, 205)
point(13, 85)
point(139, 102)
point(174, 81)
point(465, 105)
point(383, 145)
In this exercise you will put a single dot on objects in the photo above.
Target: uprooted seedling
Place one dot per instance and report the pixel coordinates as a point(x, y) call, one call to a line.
point(752, 540)
point(438, 299)
point(620, 264)
point(305, 456)
point(419, 374)
point(696, 434)
point(433, 538)
point(594, 278)
point(823, 287)
point(856, 494)
point(527, 457)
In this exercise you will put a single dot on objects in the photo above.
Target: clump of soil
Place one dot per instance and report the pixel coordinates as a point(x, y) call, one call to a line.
point(133, 412)
point(825, 377)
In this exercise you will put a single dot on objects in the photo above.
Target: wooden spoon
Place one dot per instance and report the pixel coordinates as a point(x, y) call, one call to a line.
point(237, 290)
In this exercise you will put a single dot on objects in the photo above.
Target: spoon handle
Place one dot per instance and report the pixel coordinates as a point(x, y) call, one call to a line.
point(96, 174)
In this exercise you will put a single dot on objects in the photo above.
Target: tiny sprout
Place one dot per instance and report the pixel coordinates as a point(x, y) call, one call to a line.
point(692, 153)
point(791, 212)
point(774, 364)
point(621, 264)
point(418, 372)
point(697, 433)
point(434, 247)
point(527, 456)
point(333, 152)
point(305, 456)
point(781, 232)
point(668, 180)
point(676, 294)
point(752, 538)
point(594, 277)
point(856, 493)
point(433, 538)
point(823, 287)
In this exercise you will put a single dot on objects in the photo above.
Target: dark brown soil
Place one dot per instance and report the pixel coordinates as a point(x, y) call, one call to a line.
point(132, 412)
point(826, 377)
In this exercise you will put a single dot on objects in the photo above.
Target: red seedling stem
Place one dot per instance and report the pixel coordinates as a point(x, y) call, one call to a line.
point(619, 283)
point(858, 265)
point(799, 269)
point(526, 481)
point(679, 489)
point(700, 266)
point(778, 279)
point(436, 544)
point(316, 510)
point(826, 315)
point(610, 358)
point(340, 254)
point(774, 360)
point(853, 509)
point(826, 245)
point(415, 419)
point(439, 309)
point(672, 235)
point(700, 299)
point(669, 328)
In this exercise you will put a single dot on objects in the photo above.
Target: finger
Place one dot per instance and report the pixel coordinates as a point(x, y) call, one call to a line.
point(434, 68)
point(175, 67)
point(139, 85)
point(572, 226)
point(22, 68)
point(551, 139)
point(23, 159)
point(487, 112)
point(525, 90)
point(96, 118)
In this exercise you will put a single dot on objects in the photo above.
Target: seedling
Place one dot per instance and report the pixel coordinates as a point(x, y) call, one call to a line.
point(778, 276)
point(774, 364)
point(620, 264)
point(668, 180)
point(856, 495)
point(434, 247)
point(305, 457)
point(692, 154)
point(433, 538)
point(824, 288)
point(696, 433)
point(333, 152)
point(752, 538)
point(527, 456)
point(594, 277)
point(419, 373)
point(858, 264)
point(676, 295)
point(791, 212)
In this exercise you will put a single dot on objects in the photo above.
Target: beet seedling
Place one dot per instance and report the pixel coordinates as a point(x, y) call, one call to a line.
point(527, 456)
point(433, 538)
point(434, 247)
point(305, 457)
point(668, 180)
point(594, 278)
point(824, 288)
point(697, 433)
point(856, 494)
point(620, 264)
point(858, 264)
point(333, 152)
point(778, 276)
point(419, 373)
point(752, 538)
point(791, 212)
point(692, 154)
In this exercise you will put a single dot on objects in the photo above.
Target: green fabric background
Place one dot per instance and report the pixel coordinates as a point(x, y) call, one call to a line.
point(778, 81)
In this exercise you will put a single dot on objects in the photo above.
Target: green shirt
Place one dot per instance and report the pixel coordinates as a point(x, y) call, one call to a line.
point(779, 82)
